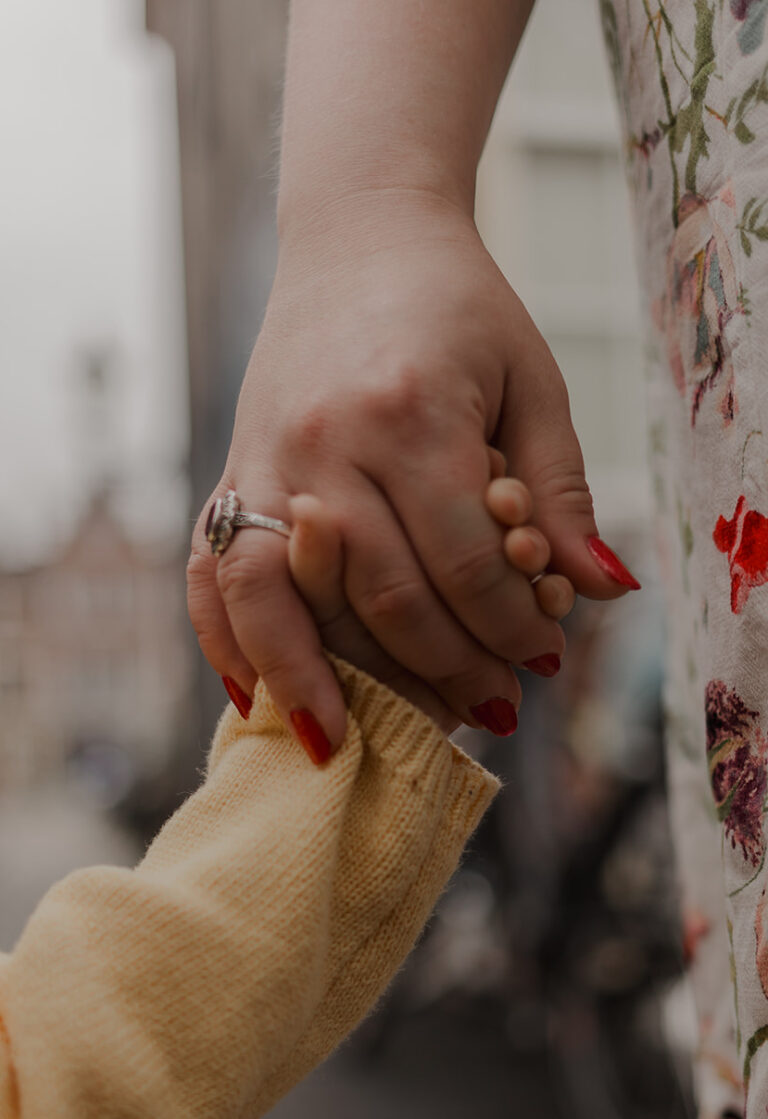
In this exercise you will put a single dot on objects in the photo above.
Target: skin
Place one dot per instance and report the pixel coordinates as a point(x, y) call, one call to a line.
point(392, 356)
point(316, 561)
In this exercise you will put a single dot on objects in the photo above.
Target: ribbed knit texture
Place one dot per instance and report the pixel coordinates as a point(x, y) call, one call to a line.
point(263, 923)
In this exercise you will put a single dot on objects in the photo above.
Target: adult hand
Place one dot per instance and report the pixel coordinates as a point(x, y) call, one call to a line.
point(393, 351)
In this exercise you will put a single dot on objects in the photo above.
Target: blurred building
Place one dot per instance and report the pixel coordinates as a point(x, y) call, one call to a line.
point(94, 659)
point(92, 262)
point(229, 62)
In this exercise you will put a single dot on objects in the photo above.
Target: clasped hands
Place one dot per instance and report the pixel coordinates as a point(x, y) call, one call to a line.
point(395, 377)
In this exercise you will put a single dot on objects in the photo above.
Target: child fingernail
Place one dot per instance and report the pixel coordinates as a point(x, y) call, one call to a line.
point(241, 700)
point(311, 735)
point(611, 564)
point(497, 715)
point(546, 665)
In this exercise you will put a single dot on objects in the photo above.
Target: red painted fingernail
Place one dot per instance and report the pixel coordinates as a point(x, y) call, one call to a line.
point(497, 715)
point(546, 665)
point(611, 564)
point(311, 735)
point(241, 700)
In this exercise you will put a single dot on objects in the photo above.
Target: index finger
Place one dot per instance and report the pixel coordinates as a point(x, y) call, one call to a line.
point(276, 634)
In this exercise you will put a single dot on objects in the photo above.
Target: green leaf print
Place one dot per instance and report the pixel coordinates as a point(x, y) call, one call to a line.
point(744, 303)
point(751, 225)
point(690, 120)
point(668, 126)
point(759, 1038)
point(611, 37)
point(686, 126)
point(755, 94)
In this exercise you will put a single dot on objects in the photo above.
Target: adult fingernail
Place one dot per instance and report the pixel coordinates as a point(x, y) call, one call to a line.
point(611, 564)
point(311, 735)
point(546, 665)
point(241, 699)
point(497, 715)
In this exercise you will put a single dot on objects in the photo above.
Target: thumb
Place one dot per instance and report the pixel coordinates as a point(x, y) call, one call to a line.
point(536, 434)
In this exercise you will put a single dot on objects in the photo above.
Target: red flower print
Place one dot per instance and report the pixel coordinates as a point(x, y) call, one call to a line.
point(744, 539)
point(736, 749)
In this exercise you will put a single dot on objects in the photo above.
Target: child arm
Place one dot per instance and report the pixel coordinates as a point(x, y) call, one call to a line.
point(265, 920)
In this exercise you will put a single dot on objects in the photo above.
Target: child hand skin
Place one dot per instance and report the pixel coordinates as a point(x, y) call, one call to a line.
point(316, 561)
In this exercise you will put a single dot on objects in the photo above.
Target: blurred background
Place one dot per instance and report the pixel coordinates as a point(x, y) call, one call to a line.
point(137, 142)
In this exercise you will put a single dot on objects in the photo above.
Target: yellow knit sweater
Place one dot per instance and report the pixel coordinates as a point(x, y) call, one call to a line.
point(264, 921)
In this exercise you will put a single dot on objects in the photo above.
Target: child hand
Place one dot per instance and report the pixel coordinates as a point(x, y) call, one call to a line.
point(316, 561)
point(527, 549)
point(509, 501)
point(316, 564)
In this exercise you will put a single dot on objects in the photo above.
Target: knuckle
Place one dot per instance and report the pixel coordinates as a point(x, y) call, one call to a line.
point(475, 573)
point(394, 602)
point(580, 501)
point(308, 430)
point(238, 575)
point(199, 567)
point(277, 667)
point(573, 502)
point(402, 400)
point(201, 588)
point(565, 481)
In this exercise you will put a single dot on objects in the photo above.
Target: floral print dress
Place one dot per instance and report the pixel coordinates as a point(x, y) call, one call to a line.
point(692, 82)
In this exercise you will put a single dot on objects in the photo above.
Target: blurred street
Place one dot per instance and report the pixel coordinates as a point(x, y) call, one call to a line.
point(45, 832)
point(430, 1069)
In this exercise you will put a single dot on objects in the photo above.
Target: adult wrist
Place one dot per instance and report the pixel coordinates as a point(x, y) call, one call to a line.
point(328, 226)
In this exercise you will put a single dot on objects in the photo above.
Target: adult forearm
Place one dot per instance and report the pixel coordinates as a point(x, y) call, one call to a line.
point(395, 95)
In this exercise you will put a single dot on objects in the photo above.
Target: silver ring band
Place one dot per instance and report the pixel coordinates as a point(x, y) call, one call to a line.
point(226, 516)
point(258, 520)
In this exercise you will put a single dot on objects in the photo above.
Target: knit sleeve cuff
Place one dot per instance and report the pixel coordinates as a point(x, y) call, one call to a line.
point(386, 725)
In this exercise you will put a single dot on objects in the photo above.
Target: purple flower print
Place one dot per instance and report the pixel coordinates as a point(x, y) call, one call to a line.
point(736, 752)
point(727, 714)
